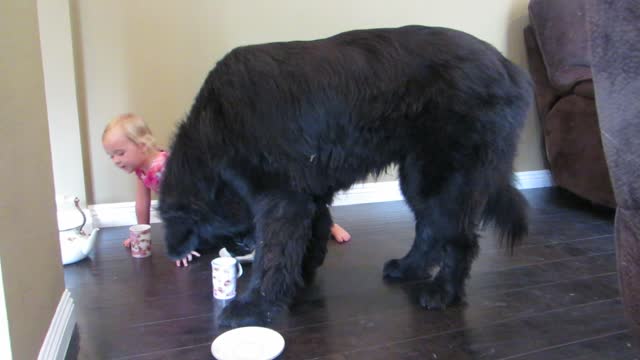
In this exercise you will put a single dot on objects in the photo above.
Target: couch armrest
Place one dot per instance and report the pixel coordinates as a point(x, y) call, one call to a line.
point(560, 30)
point(545, 93)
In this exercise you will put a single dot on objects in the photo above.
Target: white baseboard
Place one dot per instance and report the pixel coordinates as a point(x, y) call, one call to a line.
point(534, 179)
point(390, 190)
point(121, 214)
point(369, 193)
point(56, 342)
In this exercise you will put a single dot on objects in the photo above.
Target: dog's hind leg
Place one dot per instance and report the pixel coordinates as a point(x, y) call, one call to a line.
point(494, 200)
point(445, 243)
point(283, 224)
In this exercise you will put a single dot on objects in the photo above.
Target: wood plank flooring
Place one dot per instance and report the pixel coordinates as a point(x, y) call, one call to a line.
point(556, 297)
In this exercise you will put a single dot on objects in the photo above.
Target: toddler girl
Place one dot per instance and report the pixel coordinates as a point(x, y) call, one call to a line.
point(129, 143)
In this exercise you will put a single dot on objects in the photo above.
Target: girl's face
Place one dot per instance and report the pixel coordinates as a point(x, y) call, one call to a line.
point(124, 153)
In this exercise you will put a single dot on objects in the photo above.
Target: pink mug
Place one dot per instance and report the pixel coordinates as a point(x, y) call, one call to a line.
point(140, 236)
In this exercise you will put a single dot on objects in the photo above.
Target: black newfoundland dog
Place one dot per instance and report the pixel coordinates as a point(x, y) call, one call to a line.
point(277, 129)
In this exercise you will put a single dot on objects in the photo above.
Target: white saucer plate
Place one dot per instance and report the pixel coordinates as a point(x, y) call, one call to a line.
point(248, 343)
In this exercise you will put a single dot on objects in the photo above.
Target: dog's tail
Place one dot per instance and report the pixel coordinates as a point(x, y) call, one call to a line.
point(507, 209)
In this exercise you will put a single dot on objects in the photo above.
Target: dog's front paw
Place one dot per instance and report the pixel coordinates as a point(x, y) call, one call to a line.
point(437, 296)
point(403, 269)
point(238, 314)
point(247, 313)
point(393, 270)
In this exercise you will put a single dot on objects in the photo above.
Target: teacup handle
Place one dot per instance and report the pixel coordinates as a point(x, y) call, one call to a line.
point(239, 269)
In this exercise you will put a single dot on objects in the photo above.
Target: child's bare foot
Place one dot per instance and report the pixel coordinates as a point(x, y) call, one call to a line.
point(127, 243)
point(339, 234)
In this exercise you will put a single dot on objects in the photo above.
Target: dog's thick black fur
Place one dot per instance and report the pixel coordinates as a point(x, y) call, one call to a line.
point(278, 129)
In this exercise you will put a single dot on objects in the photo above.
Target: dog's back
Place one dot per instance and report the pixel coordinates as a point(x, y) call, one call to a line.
point(325, 107)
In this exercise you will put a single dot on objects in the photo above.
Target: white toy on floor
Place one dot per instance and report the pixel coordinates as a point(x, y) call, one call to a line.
point(242, 258)
point(75, 244)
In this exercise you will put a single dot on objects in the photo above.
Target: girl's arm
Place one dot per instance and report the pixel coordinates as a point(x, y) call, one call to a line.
point(143, 203)
point(143, 213)
point(143, 207)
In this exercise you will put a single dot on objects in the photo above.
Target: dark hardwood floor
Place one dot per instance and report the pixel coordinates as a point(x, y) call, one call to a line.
point(557, 297)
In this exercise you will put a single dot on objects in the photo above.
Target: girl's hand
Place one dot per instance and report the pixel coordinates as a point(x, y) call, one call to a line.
point(127, 243)
point(185, 261)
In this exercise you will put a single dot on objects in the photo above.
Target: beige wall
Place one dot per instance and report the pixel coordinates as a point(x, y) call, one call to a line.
point(29, 251)
point(153, 61)
point(60, 90)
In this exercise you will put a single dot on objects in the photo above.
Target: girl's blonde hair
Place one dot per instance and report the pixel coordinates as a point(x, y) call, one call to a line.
point(134, 128)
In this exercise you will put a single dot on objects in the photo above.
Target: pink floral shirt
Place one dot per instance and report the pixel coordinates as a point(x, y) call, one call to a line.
point(151, 179)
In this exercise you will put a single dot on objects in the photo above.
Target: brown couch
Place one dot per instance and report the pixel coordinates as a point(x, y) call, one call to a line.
point(560, 64)
point(614, 26)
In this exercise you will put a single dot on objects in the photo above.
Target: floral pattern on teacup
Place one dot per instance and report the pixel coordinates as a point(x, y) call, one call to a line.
point(141, 243)
point(224, 282)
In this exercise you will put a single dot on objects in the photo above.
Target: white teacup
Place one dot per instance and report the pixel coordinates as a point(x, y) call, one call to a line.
point(140, 236)
point(224, 273)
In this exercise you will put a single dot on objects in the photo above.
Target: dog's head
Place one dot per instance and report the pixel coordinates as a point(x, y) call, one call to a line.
point(200, 209)
point(213, 218)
